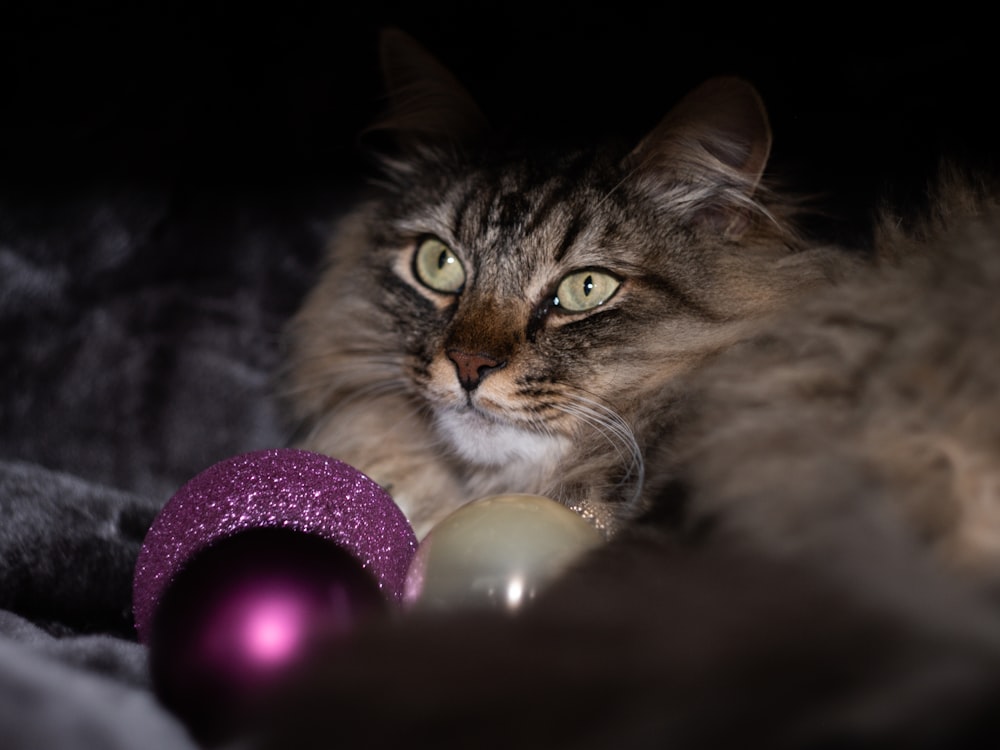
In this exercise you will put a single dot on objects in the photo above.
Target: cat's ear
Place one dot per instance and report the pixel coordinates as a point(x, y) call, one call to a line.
point(425, 101)
point(706, 158)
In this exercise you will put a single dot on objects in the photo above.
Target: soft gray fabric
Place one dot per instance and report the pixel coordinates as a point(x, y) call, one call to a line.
point(139, 342)
point(49, 698)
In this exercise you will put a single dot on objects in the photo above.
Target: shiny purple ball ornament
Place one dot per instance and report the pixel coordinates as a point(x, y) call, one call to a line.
point(249, 564)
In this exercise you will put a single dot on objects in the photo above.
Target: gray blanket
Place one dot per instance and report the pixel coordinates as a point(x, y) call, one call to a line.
point(139, 342)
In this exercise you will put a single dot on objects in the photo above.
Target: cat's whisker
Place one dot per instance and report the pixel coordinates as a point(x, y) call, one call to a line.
point(360, 360)
point(353, 372)
point(369, 396)
point(607, 196)
point(616, 431)
point(374, 390)
point(324, 389)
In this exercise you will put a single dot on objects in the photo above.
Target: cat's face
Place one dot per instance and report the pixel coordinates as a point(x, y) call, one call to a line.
point(527, 300)
point(525, 308)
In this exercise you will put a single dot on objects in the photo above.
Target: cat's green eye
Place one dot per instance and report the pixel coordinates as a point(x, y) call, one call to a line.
point(584, 290)
point(437, 267)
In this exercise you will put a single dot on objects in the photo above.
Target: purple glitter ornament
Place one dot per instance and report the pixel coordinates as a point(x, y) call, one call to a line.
point(279, 488)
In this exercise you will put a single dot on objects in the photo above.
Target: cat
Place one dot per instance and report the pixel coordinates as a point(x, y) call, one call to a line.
point(496, 320)
point(791, 447)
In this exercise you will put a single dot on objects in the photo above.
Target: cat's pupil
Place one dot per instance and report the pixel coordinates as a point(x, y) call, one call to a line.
point(443, 259)
point(588, 285)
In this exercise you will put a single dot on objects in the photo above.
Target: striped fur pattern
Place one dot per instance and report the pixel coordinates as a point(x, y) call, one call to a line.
point(498, 385)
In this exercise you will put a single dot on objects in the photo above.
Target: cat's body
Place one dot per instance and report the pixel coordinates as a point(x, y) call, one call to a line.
point(809, 555)
point(873, 406)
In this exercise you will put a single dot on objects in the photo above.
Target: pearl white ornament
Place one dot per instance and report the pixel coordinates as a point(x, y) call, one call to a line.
point(499, 552)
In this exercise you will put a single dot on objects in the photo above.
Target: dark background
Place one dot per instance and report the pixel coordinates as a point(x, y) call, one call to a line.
point(273, 95)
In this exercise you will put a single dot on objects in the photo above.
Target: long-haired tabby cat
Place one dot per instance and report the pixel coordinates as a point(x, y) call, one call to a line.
point(794, 452)
point(522, 321)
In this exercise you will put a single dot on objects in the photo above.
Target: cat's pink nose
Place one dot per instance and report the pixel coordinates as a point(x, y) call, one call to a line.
point(472, 368)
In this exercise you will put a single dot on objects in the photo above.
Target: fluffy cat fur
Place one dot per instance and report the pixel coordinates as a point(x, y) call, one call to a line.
point(873, 403)
point(573, 400)
point(793, 449)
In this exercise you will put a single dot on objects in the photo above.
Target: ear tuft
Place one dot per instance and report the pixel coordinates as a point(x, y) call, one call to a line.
point(425, 101)
point(707, 156)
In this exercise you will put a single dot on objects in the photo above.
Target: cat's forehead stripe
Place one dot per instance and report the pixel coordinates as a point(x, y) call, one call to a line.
point(558, 190)
point(462, 208)
point(503, 211)
point(509, 211)
point(576, 226)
